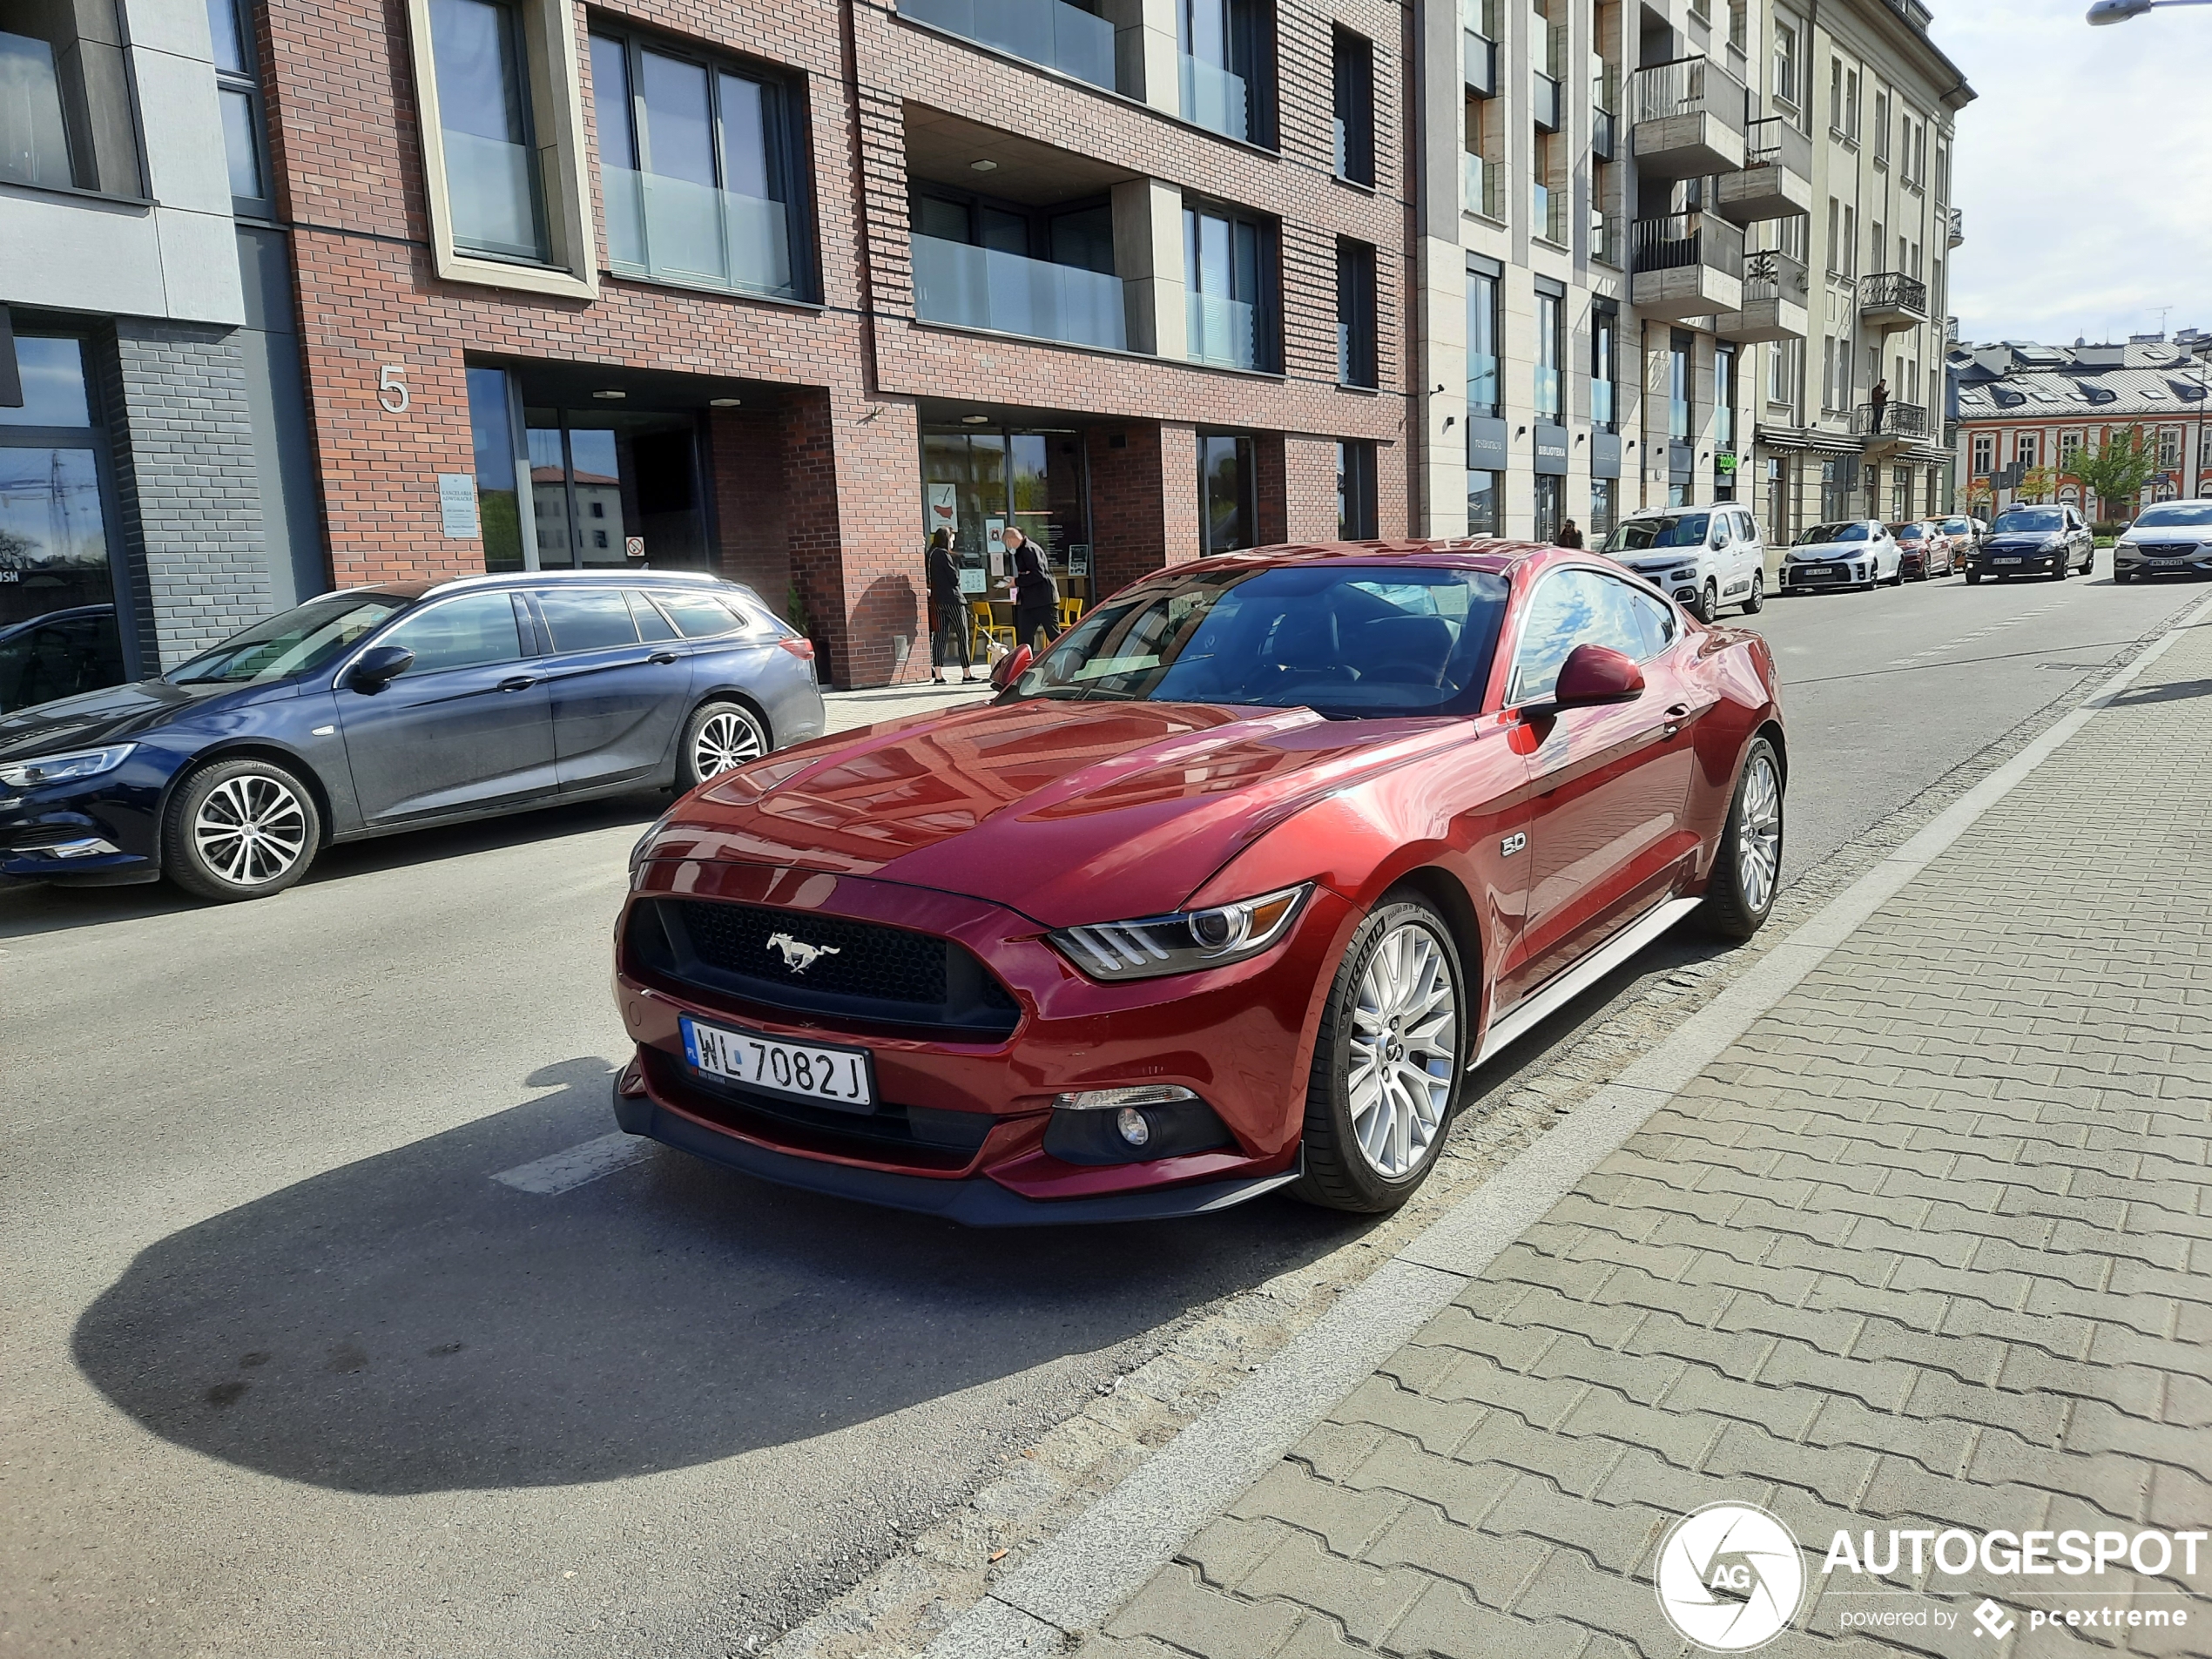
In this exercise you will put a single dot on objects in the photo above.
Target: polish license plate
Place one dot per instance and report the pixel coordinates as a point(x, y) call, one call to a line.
point(2178, 558)
point(843, 1079)
point(2004, 561)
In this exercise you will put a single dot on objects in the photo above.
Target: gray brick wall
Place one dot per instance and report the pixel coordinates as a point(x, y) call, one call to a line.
point(189, 507)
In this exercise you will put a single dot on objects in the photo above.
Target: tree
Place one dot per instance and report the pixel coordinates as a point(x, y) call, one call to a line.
point(2118, 468)
point(2037, 484)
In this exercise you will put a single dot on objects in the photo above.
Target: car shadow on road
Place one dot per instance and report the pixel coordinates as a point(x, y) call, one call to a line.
point(406, 1324)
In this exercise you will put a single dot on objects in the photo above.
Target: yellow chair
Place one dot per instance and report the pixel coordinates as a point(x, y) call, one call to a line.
point(1071, 612)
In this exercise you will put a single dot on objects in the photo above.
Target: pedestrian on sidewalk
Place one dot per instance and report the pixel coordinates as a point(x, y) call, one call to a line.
point(1037, 596)
point(949, 637)
point(1879, 398)
point(1570, 534)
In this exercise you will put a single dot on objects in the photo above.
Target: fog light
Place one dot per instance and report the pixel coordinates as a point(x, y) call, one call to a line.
point(1133, 1127)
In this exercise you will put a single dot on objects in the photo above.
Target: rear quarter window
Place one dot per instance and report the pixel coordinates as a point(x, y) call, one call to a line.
point(701, 616)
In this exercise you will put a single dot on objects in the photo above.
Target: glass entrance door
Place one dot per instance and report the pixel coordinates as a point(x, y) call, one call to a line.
point(616, 489)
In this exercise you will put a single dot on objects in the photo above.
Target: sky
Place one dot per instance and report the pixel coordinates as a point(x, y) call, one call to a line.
point(2082, 169)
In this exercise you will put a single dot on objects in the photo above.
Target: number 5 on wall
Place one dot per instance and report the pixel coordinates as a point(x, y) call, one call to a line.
point(391, 389)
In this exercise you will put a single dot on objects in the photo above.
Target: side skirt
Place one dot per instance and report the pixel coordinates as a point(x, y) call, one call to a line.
point(1559, 991)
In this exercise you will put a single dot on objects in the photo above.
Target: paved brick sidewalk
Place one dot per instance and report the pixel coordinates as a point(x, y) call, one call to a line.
point(1927, 1247)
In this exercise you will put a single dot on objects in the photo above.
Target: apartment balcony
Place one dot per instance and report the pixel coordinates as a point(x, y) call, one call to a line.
point(1482, 186)
point(1050, 33)
point(1776, 301)
point(1603, 138)
point(1901, 425)
point(983, 287)
point(1954, 226)
point(1776, 180)
point(1549, 102)
point(1890, 301)
point(1479, 54)
point(1685, 264)
point(1547, 214)
point(1605, 98)
point(1689, 120)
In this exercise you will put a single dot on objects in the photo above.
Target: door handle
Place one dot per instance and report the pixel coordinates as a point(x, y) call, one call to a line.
point(517, 682)
point(1675, 716)
point(663, 656)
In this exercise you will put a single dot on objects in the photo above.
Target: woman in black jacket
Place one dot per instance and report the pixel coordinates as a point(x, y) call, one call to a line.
point(948, 640)
point(1037, 596)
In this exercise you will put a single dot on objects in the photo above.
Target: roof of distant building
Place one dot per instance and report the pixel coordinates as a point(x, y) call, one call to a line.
point(2023, 380)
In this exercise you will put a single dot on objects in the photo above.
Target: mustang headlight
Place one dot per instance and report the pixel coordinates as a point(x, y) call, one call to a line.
point(652, 835)
point(42, 770)
point(1181, 943)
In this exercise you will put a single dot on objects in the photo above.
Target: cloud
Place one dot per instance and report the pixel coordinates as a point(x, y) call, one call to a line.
point(2082, 169)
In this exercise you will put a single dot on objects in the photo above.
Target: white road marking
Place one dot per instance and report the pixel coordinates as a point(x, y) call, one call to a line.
point(558, 1172)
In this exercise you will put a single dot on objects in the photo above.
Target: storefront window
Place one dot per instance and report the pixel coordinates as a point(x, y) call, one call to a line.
point(53, 521)
point(1551, 498)
point(1486, 506)
point(1603, 510)
point(975, 482)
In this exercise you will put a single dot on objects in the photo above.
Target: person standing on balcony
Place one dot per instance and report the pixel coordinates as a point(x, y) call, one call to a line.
point(1037, 596)
point(1879, 398)
point(1570, 534)
point(948, 627)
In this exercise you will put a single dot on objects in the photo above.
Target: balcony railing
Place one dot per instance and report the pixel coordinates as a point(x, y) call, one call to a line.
point(1893, 291)
point(1689, 86)
point(1772, 141)
point(981, 287)
point(1603, 140)
point(1548, 214)
point(1770, 274)
point(1676, 241)
point(1050, 32)
point(1222, 332)
point(1898, 420)
point(1214, 98)
point(1954, 226)
point(685, 231)
point(1481, 187)
point(1601, 405)
point(1550, 103)
point(1606, 246)
point(1480, 67)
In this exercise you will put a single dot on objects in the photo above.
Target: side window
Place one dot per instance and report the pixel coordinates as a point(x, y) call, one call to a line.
point(1653, 619)
point(652, 626)
point(595, 619)
point(700, 615)
point(467, 633)
point(1575, 608)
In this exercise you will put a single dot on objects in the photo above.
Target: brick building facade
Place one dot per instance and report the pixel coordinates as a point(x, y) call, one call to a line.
point(812, 406)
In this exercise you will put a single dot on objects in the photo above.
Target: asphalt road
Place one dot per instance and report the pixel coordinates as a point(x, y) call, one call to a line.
point(284, 1370)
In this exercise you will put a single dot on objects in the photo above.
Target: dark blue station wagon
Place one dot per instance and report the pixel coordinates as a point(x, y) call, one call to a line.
point(396, 707)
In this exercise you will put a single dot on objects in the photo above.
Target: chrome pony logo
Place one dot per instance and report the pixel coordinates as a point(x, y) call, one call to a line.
point(1730, 1577)
point(798, 956)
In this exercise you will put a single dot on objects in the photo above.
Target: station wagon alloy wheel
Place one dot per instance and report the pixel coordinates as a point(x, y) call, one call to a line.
point(251, 829)
point(1405, 1041)
point(724, 738)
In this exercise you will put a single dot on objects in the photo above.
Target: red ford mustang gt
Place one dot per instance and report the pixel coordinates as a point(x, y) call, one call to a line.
point(1228, 891)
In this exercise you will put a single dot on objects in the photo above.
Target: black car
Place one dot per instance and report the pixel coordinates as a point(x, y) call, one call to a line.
point(2051, 542)
point(58, 655)
point(396, 707)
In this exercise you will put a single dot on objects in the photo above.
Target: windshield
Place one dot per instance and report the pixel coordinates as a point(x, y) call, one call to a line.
point(1348, 641)
point(1676, 530)
point(1906, 532)
point(2045, 518)
point(1851, 532)
point(1957, 527)
point(292, 642)
point(2193, 512)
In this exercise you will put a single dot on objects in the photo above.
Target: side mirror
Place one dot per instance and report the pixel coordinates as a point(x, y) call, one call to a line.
point(1597, 674)
point(379, 666)
point(1009, 668)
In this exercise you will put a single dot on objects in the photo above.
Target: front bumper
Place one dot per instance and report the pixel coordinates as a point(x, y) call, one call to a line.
point(1240, 1038)
point(101, 830)
point(2150, 559)
point(2015, 561)
point(1826, 573)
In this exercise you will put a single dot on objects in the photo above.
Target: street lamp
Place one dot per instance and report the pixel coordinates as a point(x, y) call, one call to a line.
point(2106, 11)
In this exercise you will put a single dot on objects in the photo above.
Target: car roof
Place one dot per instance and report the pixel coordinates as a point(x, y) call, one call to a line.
point(625, 574)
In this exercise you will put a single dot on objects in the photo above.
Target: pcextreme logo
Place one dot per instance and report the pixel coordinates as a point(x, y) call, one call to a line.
point(1730, 1577)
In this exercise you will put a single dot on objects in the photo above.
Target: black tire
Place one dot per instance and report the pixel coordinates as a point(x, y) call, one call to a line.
point(1974, 578)
point(2120, 578)
point(1747, 870)
point(1709, 602)
point(240, 829)
point(1755, 600)
point(720, 734)
point(1339, 1173)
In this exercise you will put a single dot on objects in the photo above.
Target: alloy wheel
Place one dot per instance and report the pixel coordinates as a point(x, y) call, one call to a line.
point(250, 829)
point(725, 740)
point(1758, 836)
point(1404, 1042)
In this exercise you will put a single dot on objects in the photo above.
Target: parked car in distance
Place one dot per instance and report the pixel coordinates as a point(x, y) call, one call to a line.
point(1960, 533)
point(1226, 893)
point(397, 707)
point(1851, 553)
point(2174, 538)
point(2035, 541)
point(1922, 551)
point(1702, 557)
point(58, 655)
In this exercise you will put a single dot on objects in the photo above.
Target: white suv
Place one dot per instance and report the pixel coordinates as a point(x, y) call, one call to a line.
point(1705, 557)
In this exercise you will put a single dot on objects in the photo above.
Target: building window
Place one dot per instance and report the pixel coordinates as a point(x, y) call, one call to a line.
point(1485, 392)
point(1355, 107)
point(1355, 313)
point(1227, 515)
point(1605, 356)
point(1679, 349)
point(1777, 500)
point(1547, 200)
point(493, 188)
point(1985, 449)
point(1786, 62)
point(1843, 100)
point(2069, 447)
point(1482, 175)
point(1900, 494)
point(65, 119)
point(1355, 492)
point(2026, 449)
point(54, 552)
point(1551, 505)
point(2169, 449)
point(1739, 34)
point(1486, 503)
point(1882, 128)
point(1724, 400)
point(1550, 351)
point(1228, 261)
point(699, 169)
point(1603, 510)
point(238, 89)
point(1222, 56)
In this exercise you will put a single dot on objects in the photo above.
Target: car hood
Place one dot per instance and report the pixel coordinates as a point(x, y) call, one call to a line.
point(1066, 812)
point(1833, 549)
point(1659, 558)
point(114, 713)
point(2168, 534)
